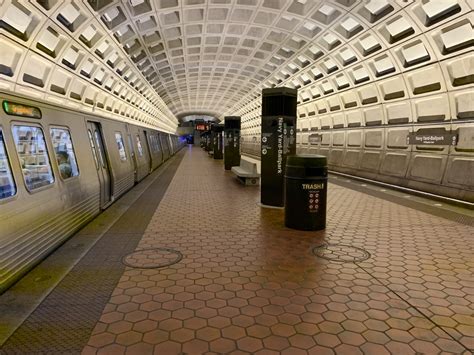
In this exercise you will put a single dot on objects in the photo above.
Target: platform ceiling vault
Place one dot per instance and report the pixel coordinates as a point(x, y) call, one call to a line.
point(158, 60)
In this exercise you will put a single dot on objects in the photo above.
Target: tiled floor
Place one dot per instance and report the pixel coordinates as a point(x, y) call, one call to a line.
point(247, 284)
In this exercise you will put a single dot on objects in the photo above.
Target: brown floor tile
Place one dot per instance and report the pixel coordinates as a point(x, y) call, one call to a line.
point(329, 340)
point(275, 342)
point(247, 284)
point(424, 347)
point(182, 335)
point(89, 350)
point(293, 351)
point(119, 327)
point(101, 340)
point(250, 344)
point(195, 346)
point(139, 349)
point(351, 338)
point(302, 341)
point(112, 350)
point(111, 317)
point(346, 349)
point(242, 320)
point(167, 347)
point(233, 332)
point(129, 338)
point(156, 336)
point(222, 346)
point(208, 334)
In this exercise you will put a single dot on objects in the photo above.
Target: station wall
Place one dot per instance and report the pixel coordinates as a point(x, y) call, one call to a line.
point(374, 78)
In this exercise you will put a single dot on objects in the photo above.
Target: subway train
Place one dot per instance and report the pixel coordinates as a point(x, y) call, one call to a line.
point(58, 170)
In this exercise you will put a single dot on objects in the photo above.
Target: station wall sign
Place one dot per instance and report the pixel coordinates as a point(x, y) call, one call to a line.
point(432, 137)
point(315, 138)
point(278, 141)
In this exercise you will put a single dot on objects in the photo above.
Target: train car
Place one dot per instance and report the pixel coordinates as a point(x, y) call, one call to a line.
point(58, 170)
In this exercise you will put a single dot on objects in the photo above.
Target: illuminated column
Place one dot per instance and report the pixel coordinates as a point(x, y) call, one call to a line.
point(278, 141)
point(231, 142)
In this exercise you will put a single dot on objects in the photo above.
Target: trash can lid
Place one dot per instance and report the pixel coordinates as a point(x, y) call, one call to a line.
point(307, 161)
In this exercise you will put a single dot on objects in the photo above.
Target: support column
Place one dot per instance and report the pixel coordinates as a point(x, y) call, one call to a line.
point(217, 140)
point(209, 138)
point(278, 139)
point(231, 142)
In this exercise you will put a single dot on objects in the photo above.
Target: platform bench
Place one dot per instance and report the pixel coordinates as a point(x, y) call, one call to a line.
point(247, 172)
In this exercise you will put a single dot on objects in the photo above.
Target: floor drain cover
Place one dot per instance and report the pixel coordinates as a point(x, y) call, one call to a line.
point(152, 258)
point(341, 253)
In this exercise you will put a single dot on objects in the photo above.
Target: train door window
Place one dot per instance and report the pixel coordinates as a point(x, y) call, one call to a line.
point(98, 142)
point(120, 146)
point(7, 184)
point(33, 156)
point(152, 142)
point(139, 146)
point(157, 144)
point(93, 148)
point(130, 144)
point(62, 144)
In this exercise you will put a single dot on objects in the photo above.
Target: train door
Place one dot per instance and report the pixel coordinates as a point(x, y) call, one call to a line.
point(148, 150)
point(170, 140)
point(143, 146)
point(98, 150)
point(132, 154)
point(165, 147)
point(160, 146)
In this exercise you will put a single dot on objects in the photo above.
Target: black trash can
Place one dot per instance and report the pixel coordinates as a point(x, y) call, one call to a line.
point(306, 178)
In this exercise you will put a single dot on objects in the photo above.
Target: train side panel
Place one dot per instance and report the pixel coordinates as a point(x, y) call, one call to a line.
point(34, 222)
point(59, 185)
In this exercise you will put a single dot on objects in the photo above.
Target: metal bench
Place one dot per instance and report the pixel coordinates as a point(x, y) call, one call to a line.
point(247, 172)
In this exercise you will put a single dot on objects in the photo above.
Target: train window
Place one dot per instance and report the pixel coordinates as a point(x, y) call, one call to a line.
point(120, 146)
point(139, 146)
point(154, 143)
point(7, 184)
point(33, 156)
point(62, 143)
point(158, 143)
point(98, 141)
point(91, 140)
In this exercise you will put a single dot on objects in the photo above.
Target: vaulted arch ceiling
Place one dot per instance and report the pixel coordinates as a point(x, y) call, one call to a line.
point(208, 54)
point(155, 60)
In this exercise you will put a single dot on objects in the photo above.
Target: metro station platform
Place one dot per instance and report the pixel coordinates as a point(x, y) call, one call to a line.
point(392, 273)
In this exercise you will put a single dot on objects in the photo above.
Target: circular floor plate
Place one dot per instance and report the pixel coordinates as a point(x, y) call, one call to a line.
point(152, 258)
point(341, 253)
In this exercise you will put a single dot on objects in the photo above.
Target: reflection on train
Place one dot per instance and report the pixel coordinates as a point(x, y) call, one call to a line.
point(59, 169)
